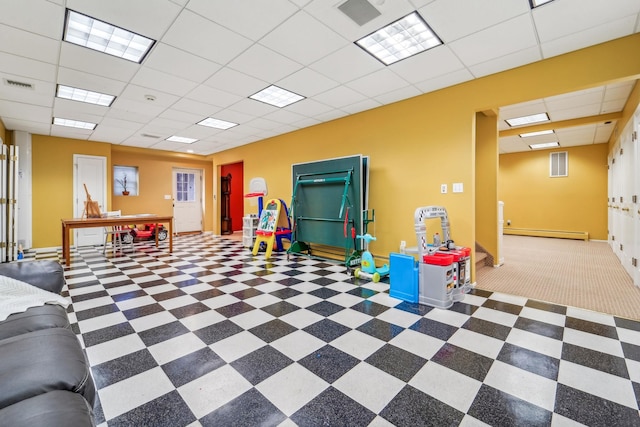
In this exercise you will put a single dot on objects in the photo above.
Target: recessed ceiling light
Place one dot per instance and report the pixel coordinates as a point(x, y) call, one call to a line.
point(536, 3)
point(74, 123)
point(276, 96)
point(527, 120)
point(217, 123)
point(86, 31)
point(538, 133)
point(544, 145)
point(401, 39)
point(75, 94)
point(182, 139)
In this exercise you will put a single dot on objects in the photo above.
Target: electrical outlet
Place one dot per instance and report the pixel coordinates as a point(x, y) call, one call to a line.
point(443, 188)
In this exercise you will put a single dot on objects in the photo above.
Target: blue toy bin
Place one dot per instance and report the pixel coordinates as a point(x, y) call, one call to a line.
point(403, 277)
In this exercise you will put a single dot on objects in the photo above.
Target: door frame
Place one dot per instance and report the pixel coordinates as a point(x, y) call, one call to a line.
point(78, 199)
point(201, 194)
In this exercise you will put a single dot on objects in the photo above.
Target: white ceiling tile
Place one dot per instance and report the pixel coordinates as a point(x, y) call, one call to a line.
point(284, 117)
point(139, 94)
point(213, 96)
point(358, 107)
point(455, 19)
point(158, 81)
point(119, 123)
point(584, 97)
point(235, 82)
point(398, 95)
point(612, 106)
point(577, 135)
point(603, 132)
point(262, 124)
point(589, 37)
point(176, 62)
point(41, 94)
point(346, 64)
point(307, 82)
point(139, 141)
point(127, 116)
point(26, 68)
point(19, 110)
point(377, 83)
point(44, 18)
point(303, 39)
point(180, 116)
point(309, 107)
point(31, 45)
point(89, 61)
point(251, 18)
point(69, 109)
point(204, 38)
point(328, 13)
point(264, 64)
point(139, 16)
point(33, 127)
point(195, 107)
point(81, 80)
point(67, 132)
point(575, 112)
point(142, 109)
point(340, 97)
point(492, 43)
point(445, 80)
point(507, 62)
point(251, 107)
point(425, 65)
point(110, 133)
point(578, 15)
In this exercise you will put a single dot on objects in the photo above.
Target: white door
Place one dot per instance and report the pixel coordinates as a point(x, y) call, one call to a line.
point(92, 171)
point(187, 200)
point(636, 192)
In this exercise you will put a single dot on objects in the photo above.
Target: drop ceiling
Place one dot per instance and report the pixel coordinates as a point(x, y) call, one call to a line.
point(210, 56)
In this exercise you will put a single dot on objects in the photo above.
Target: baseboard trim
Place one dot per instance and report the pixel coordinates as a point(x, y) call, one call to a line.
point(560, 234)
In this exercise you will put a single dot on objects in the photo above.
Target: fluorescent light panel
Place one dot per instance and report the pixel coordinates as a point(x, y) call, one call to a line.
point(89, 32)
point(74, 123)
point(538, 133)
point(544, 145)
point(75, 94)
point(217, 123)
point(182, 139)
point(527, 120)
point(401, 39)
point(276, 96)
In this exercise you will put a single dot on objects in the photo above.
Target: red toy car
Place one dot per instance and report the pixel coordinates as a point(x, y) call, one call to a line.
point(147, 233)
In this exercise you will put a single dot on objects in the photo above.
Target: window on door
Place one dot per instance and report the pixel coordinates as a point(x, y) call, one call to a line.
point(185, 187)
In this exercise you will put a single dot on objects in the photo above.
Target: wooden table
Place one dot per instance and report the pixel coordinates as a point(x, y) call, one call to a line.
point(68, 224)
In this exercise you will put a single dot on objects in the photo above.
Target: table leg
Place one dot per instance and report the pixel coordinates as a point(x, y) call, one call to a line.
point(65, 244)
point(171, 235)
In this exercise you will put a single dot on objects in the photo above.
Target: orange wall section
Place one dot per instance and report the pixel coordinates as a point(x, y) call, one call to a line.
point(578, 202)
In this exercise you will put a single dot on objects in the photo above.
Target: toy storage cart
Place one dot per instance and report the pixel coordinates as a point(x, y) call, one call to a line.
point(436, 280)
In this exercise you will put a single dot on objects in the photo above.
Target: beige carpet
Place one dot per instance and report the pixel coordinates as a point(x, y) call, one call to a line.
point(569, 272)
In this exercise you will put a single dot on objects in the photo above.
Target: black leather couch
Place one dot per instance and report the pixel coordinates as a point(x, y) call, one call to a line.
point(45, 378)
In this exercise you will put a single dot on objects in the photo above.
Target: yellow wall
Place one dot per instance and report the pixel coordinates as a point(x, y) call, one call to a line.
point(418, 144)
point(578, 202)
point(52, 183)
point(52, 166)
point(487, 182)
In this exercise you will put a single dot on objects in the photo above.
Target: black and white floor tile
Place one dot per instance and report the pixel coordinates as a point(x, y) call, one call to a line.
point(213, 336)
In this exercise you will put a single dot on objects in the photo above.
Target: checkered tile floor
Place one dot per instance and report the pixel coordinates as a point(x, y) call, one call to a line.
point(212, 336)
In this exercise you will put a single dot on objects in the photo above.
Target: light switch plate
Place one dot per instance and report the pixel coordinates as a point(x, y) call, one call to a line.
point(443, 188)
point(167, 196)
point(457, 187)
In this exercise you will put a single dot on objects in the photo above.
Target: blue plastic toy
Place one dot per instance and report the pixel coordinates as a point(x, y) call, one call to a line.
point(368, 268)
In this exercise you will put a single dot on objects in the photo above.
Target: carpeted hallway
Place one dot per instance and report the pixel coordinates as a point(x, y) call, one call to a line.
point(569, 272)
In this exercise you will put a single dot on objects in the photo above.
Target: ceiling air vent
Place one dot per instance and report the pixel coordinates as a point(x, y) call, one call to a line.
point(360, 11)
point(148, 135)
point(16, 83)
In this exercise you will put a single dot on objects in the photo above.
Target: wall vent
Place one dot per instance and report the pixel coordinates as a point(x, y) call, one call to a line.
point(558, 164)
point(16, 83)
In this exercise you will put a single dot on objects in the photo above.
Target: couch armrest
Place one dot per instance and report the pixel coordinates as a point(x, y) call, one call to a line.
point(44, 274)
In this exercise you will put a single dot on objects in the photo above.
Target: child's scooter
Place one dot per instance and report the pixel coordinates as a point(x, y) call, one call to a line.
point(368, 264)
